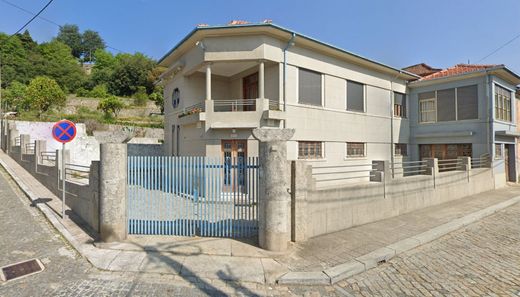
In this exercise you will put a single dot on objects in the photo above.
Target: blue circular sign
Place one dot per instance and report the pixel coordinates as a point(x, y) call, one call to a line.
point(64, 131)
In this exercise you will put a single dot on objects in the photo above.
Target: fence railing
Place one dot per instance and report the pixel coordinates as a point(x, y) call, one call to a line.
point(482, 162)
point(409, 168)
point(449, 165)
point(48, 156)
point(17, 141)
point(234, 105)
point(193, 109)
point(77, 173)
point(342, 172)
point(30, 148)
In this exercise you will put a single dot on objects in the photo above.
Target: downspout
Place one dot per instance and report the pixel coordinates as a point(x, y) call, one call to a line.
point(392, 157)
point(489, 112)
point(289, 44)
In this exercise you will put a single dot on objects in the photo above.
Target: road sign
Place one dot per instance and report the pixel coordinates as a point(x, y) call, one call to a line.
point(64, 131)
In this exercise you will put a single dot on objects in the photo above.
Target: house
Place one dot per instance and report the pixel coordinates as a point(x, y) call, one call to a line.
point(223, 81)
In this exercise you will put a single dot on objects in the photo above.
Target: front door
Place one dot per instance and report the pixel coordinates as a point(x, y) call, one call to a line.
point(508, 157)
point(234, 153)
point(250, 89)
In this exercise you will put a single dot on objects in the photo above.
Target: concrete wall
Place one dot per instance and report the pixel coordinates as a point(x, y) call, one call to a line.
point(141, 149)
point(326, 210)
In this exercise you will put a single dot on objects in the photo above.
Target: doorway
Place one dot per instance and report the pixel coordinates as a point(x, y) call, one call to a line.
point(250, 90)
point(509, 157)
point(234, 153)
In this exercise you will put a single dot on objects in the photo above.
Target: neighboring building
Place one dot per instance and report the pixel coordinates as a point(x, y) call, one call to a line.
point(224, 81)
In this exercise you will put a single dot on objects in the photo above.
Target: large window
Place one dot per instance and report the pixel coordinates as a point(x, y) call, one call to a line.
point(309, 87)
point(502, 104)
point(401, 149)
point(310, 150)
point(446, 105)
point(400, 105)
point(427, 109)
point(356, 149)
point(467, 103)
point(355, 96)
point(449, 105)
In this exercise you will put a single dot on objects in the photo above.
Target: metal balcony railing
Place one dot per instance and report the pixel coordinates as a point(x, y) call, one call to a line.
point(235, 105)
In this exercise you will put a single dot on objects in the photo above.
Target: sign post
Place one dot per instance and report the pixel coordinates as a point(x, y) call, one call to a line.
point(63, 131)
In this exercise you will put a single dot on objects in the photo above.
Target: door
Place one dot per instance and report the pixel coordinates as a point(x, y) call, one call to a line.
point(509, 158)
point(250, 90)
point(234, 153)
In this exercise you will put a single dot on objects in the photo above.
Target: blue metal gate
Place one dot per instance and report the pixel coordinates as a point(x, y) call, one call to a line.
point(193, 196)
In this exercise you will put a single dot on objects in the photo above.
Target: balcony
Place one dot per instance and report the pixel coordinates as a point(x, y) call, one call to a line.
point(237, 113)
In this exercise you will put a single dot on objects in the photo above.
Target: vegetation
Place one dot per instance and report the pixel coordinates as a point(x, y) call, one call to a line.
point(111, 106)
point(44, 93)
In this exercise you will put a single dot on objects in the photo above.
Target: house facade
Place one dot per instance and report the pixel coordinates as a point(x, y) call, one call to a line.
point(222, 82)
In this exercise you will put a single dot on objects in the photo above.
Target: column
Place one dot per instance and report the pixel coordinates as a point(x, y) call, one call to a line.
point(261, 84)
point(208, 82)
point(274, 212)
point(112, 192)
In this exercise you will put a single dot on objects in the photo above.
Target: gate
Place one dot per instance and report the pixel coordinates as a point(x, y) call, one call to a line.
point(190, 196)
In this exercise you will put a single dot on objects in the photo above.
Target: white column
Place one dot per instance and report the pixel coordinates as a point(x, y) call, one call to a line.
point(261, 84)
point(208, 82)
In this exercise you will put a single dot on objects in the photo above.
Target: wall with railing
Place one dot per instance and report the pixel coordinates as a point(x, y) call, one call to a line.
point(331, 198)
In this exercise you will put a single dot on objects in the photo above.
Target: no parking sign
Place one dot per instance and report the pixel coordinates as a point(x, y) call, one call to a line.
point(63, 131)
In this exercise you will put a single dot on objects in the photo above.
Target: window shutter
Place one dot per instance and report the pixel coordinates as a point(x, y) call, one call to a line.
point(309, 87)
point(355, 96)
point(467, 103)
point(446, 105)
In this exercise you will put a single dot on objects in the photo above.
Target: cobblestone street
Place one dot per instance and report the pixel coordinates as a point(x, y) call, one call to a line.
point(483, 260)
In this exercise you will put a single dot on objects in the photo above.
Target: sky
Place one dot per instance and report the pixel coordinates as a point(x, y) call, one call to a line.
point(398, 33)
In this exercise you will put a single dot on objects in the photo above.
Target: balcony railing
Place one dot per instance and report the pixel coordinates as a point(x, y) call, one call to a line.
point(193, 109)
point(234, 105)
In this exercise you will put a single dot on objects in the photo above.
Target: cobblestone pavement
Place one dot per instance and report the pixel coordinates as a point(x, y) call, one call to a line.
point(26, 234)
point(482, 260)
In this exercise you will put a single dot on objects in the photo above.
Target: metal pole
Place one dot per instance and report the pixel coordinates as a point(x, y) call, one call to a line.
point(63, 177)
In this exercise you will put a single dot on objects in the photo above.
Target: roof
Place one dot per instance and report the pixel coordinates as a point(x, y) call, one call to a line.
point(287, 33)
point(460, 69)
point(421, 69)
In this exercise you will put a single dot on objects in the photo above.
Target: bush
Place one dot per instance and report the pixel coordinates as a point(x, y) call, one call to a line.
point(99, 91)
point(110, 106)
point(158, 97)
point(140, 97)
point(15, 98)
point(44, 93)
point(82, 92)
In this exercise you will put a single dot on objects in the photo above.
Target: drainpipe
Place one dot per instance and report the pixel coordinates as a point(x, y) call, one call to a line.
point(489, 112)
point(289, 44)
point(392, 157)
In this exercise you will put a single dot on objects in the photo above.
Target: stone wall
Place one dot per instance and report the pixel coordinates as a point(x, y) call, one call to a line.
point(143, 149)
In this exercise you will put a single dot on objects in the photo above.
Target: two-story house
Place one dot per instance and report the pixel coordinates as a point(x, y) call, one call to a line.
point(223, 81)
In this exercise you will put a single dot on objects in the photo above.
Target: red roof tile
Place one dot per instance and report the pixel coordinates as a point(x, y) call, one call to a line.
point(421, 69)
point(457, 70)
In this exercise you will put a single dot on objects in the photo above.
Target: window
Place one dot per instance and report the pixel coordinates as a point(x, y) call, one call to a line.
point(400, 105)
point(427, 109)
point(401, 149)
point(309, 87)
point(467, 103)
point(355, 149)
point(498, 151)
point(502, 104)
point(446, 105)
point(355, 96)
point(310, 150)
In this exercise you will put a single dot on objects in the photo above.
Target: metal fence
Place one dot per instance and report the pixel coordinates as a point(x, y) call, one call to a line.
point(193, 109)
point(482, 162)
point(17, 141)
point(234, 105)
point(77, 173)
point(193, 196)
point(449, 165)
point(342, 173)
point(408, 168)
point(48, 156)
point(30, 148)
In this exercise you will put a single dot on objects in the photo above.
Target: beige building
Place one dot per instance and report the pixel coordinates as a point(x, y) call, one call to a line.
point(224, 81)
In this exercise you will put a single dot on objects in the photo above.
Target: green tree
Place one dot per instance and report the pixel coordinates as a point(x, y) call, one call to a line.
point(130, 72)
point(59, 64)
point(15, 97)
point(110, 105)
point(90, 43)
point(44, 93)
point(70, 35)
point(99, 91)
point(140, 97)
point(158, 97)
point(16, 65)
point(103, 68)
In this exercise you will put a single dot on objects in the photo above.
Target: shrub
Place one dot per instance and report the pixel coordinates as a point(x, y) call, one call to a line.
point(99, 91)
point(110, 106)
point(140, 97)
point(15, 98)
point(82, 92)
point(44, 93)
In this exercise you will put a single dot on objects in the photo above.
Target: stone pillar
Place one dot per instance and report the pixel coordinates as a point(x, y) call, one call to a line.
point(432, 166)
point(12, 133)
point(24, 140)
point(112, 192)
point(381, 171)
point(465, 163)
point(274, 176)
point(39, 147)
point(261, 84)
point(208, 82)
point(301, 184)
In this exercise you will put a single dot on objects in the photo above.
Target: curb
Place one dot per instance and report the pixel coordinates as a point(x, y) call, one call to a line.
point(363, 263)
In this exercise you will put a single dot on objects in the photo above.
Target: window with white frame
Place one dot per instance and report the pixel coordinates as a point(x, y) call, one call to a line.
point(355, 96)
point(310, 150)
point(309, 87)
point(401, 149)
point(498, 151)
point(356, 149)
point(502, 104)
point(427, 108)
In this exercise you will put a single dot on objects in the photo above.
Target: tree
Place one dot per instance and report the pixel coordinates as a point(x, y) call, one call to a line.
point(16, 65)
point(15, 97)
point(59, 64)
point(130, 72)
point(111, 105)
point(158, 97)
point(90, 43)
point(103, 68)
point(45, 93)
point(70, 35)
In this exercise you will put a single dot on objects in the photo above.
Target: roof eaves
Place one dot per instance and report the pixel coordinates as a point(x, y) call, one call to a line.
point(433, 80)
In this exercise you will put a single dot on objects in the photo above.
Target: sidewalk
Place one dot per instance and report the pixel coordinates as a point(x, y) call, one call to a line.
point(322, 260)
